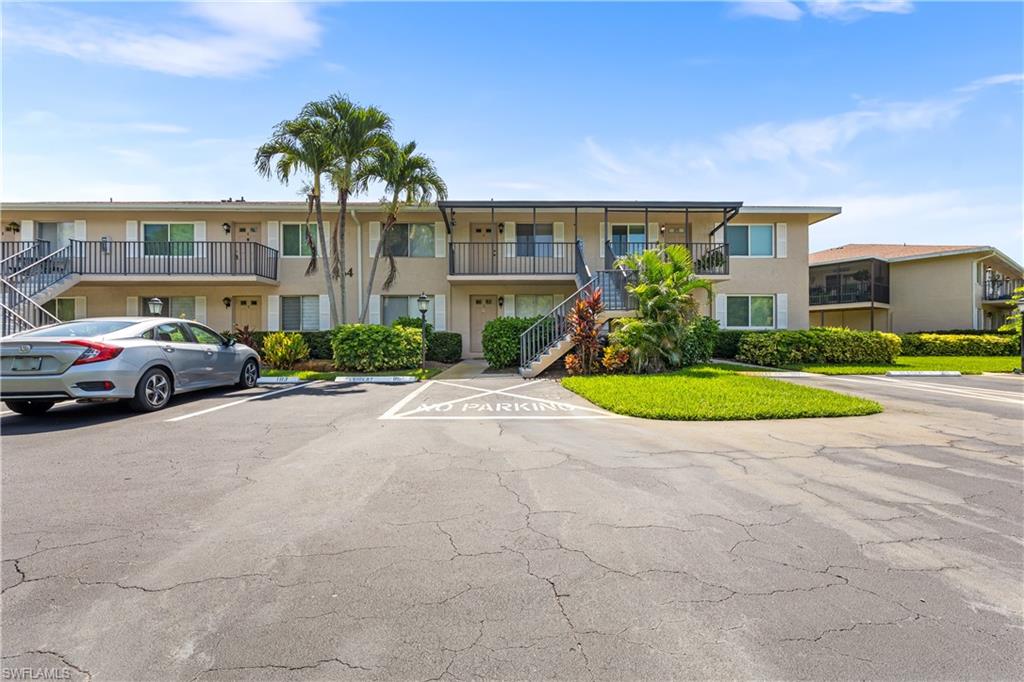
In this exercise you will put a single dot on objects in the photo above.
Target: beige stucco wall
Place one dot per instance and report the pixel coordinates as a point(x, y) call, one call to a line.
point(933, 293)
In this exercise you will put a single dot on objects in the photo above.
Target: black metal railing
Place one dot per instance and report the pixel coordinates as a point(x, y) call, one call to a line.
point(42, 273)
point(17, 255)
point(18, 312)
point(1001, 289)
point(583, 273)
point(108, 257)
point(512, 258)
point(553, 327)
point(709, 258)
point(860, 292)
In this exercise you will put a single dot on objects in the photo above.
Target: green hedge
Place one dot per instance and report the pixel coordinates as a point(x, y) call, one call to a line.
point(500, 339)
point(970, 332)
point(319, 343)
point(414, 322)
point(375, 348)
point(960, 344)
point(727, 343)
point(700, 341)
point(818, 346)
point(444, 347)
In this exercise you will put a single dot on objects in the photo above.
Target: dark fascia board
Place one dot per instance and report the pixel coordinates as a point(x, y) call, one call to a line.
point(611, 205)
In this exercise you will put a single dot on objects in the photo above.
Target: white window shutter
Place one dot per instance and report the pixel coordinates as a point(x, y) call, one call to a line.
point(131, 230)
point(325, 312)
point(80, 232)
point(782, 311)
point(439, 240)
point(374, 237)
point(199, 234)
point(201, 309)
point(80, 309)
point(558, 231)
point(131, 307)
point(509, 309)
point(780, 240)
point(720, 309)
point(440, 312)
point(28, 230)
point(602, 233)
point(509, 235)
point(653, 232)
point(273, 234)
point(273, 313)
point(374, 314)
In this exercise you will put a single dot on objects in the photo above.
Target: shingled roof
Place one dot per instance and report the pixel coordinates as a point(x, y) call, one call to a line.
point(890, 251)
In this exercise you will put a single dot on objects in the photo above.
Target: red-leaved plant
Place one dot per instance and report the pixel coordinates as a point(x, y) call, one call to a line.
point(583, 330)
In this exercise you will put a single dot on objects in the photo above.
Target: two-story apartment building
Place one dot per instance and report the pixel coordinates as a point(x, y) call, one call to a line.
point(243, 262)
point(912, 287)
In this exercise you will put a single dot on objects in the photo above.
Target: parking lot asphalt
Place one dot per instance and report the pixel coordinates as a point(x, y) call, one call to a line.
point(370, 532)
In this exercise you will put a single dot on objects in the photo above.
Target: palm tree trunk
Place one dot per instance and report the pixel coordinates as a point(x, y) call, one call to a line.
point(323, 252)
point(373, 268)
point(342, 216)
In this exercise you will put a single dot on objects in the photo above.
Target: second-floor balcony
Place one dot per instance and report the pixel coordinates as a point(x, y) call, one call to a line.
point(174, 259)
point(709, 258)
point(849, 283)
point(1001, 289)
point(526, 259)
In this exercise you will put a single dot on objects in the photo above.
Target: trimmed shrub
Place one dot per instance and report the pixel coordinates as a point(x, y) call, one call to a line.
point(960, 344)
point(444, 347)
point(818, 346)
point(375, 348)
point(727, 343)
point(970, 332)
point(699, 342)
point(319, 343)
point(414, 322)
point(500, 340)
point(281, 350)
point(615, 359)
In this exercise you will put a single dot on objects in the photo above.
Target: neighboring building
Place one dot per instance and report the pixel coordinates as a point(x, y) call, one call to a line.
point(243, 262)
point(911, 287)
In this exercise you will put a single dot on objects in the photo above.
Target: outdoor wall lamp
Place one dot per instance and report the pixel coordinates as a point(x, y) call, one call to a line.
point(227, 228)
point(501, 301)
point(13, 227)
point(155, 305)
point(227, 301)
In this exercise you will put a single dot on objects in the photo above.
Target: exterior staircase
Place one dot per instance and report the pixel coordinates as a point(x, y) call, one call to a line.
point(544, 343)
point(31, 274)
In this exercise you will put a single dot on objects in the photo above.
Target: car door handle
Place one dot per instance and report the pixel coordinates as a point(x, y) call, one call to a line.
point(209, 352)
point(168, 349)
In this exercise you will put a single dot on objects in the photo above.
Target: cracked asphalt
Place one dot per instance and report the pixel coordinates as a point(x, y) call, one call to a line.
point(300, 537)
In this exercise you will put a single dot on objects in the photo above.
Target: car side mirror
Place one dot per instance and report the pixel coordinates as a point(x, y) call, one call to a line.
point(229, 342)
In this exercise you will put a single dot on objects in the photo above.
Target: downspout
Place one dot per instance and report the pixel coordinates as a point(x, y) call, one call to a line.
point(359, 260)
point(975, 304)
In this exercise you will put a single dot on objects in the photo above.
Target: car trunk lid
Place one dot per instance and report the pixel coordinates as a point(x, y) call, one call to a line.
point(35, 356)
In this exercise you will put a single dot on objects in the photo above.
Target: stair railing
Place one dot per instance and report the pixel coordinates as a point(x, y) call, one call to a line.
point(583, 274)
point(20, 312)
point(17, 258)
point(43, 273)
point(550, 329)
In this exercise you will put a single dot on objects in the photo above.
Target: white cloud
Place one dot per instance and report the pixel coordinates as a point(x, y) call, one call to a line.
point(838, 10)
point(216, 40)
point(1001, 79)
point(848, 10)
point(782, 10)
point(169, 128)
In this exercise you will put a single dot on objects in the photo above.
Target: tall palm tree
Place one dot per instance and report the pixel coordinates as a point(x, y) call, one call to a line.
point(357, 134)
point(302, 145)
point(409, 179)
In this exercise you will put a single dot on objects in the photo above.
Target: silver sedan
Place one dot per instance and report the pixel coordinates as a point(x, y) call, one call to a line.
point(144, 360)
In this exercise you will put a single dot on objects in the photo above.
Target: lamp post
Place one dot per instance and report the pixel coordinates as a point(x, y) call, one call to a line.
point(424, 304)
point(155, 305)
point(1020, 316)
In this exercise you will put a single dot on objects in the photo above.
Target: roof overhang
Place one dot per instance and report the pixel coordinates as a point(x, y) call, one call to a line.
point(815, 214)
point(981, 252)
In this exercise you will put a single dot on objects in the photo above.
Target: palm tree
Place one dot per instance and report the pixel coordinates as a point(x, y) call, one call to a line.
point(409, 179)
point(357, 134)
point(297, 146)
point(663, 289)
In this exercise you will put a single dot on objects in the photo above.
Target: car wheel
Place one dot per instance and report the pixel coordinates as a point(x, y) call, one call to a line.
point(250, 374)
point(152, 392)
point(29, 408)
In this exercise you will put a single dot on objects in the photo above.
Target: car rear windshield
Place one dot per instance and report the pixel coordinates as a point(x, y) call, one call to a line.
point(81, 328)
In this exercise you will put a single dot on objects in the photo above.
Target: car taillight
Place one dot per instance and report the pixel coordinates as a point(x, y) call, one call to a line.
point(95, 351)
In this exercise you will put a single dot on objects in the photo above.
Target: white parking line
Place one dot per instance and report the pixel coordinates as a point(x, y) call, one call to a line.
point(941, 389)
point(238, 402)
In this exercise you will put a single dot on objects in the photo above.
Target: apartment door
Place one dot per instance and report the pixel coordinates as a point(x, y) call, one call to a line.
point(247, 311)
point(245, 257)
point(482, 309)
point(483, 249)
point(676, 234)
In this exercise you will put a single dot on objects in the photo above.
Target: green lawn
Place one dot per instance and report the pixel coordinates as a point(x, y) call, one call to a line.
point(708, 392)
point(309, 375)
point(963, 364)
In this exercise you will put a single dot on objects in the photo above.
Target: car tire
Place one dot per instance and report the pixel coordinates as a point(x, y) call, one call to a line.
point(153, 391)
point(250, 374)
point(29, 408)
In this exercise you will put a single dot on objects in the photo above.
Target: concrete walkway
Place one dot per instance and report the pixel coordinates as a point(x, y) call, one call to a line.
point(466, 369)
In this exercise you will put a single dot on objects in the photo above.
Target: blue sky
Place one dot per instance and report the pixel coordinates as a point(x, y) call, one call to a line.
point(908, 115)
